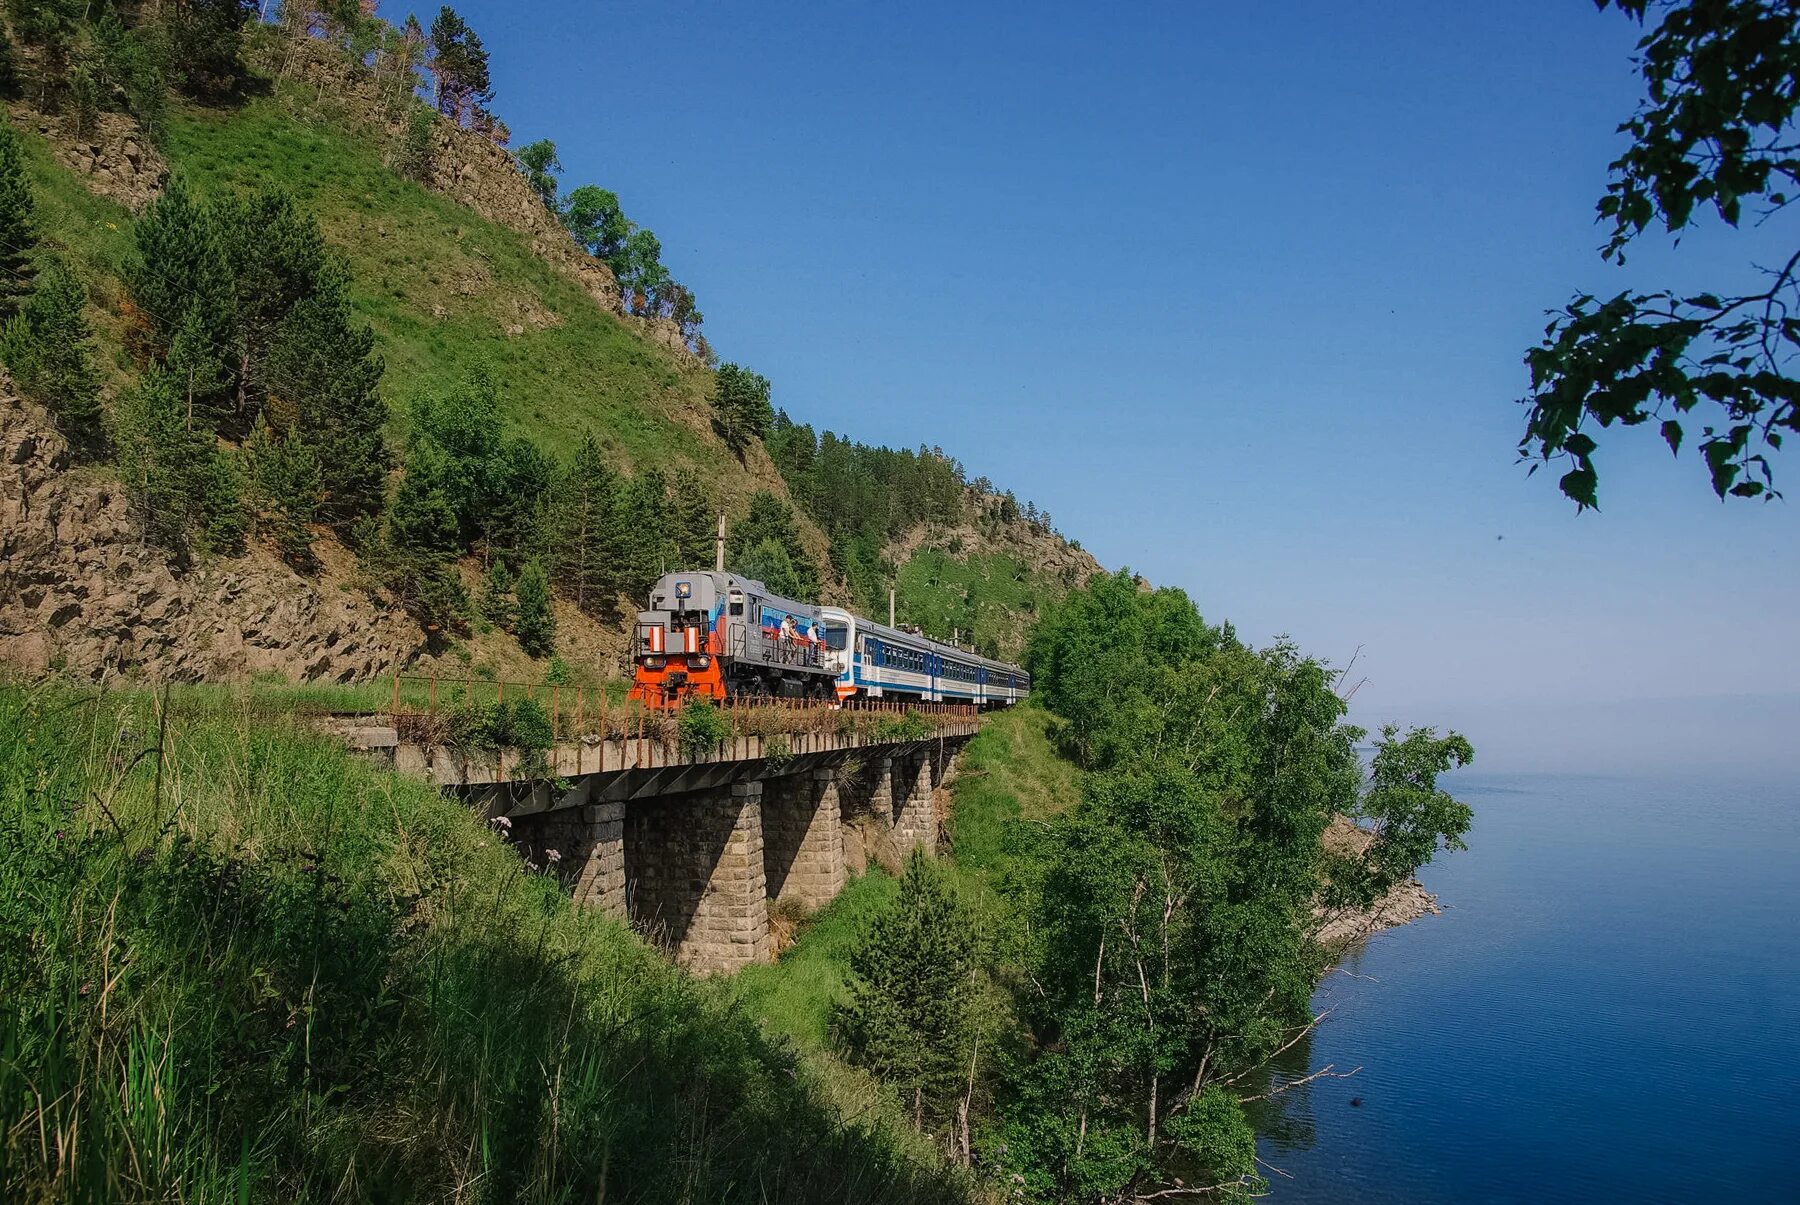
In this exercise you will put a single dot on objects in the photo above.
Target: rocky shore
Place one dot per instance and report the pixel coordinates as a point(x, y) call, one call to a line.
point(1407, 902)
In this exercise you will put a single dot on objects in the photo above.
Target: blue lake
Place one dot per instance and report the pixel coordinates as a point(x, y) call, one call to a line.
point(1607, 1010)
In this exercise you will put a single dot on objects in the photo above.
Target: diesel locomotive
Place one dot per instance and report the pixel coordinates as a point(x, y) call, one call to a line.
point(710, 634)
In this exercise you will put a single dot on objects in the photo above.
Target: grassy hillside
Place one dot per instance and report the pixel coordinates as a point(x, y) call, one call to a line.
point(449, 292)
point(254, 968)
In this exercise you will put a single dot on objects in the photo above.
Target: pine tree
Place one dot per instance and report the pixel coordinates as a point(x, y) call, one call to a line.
point(180, 280)
point(460, 64)
point(424, 538)
point(223, 523)
point(423, 517)
point(324, 371)
point(275, 259)
point(206, 41)
point(495, 603)
point(18, 228)
point(772, 521)
point(585, 546)
point(692, 519)
point(285, 490)
point(535, 624)
point(169, 470)
point(909, 1017)
point(741, 410)
point(49, 348)
point(646, 550)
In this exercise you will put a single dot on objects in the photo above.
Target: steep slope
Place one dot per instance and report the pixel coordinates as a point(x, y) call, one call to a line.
point(465, 271)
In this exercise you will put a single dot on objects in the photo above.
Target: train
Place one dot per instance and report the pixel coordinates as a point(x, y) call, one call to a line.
point(711, 634)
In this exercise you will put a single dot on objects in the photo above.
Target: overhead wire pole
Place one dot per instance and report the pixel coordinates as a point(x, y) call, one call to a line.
point(719, 546)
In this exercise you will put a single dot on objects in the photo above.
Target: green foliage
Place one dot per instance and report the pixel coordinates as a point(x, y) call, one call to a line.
point(1714, 131)
point(285, 487)
point(593, 216)
point(900, 729)
point(909, 1017)
point(495, 602)
point(990, 599)
point(516, 723)
point(539, 163)
point(586, 533)
point(1103, 658)
point(206, 43)
point(535, 623)
point(415, 148)
point(702, 729)
point(460, 64)
point(866, 496)
point(1410, 817)
point(765, 545)
point(135, 62)
point(741, 410)
point(324, 948)
point(49, 348)
point(18, 229)
point(173, 471)
point(1171, 915)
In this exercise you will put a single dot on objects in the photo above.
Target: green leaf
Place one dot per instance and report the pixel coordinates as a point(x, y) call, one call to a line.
point(1671, 433)
point(1580, 485)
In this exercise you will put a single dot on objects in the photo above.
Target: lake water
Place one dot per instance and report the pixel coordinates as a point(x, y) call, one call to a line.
point(1607, 1010)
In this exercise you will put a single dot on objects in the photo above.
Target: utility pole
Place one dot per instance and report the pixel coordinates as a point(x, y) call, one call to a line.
point(719, 547)
point(890, 606)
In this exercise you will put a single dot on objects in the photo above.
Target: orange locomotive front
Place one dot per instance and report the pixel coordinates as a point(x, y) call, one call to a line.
point(713, 635)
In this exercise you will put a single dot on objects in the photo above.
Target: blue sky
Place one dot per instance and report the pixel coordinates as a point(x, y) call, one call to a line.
point(1237, 292)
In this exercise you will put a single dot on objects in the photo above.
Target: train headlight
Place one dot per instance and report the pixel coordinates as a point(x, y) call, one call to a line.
point(699, 661)
point(655, 662)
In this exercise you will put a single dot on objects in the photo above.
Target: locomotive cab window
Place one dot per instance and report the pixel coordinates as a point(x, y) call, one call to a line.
point(737, 603)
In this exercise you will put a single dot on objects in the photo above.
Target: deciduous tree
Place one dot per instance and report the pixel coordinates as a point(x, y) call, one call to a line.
point(1715, 133)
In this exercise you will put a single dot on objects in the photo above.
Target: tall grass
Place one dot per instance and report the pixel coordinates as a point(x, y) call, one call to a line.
point(241, 965)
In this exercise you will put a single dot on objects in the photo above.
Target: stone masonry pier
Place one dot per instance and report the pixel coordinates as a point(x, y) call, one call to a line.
point(694, 852)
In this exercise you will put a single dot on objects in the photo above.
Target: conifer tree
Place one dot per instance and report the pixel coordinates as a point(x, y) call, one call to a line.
point(535, 624)
point(206, 41)
point(275, 259)
point(323, 371)
point(170, 470)
point(180, 281)
point(495, 603)
point(772, 521)
point(693, 521)
point(909, 1016)
point(424, 537)
point(285, 490)
point(460, 63)
point(741, 410)
point(585, 545)
point(49, 348)
point(223, 522)
point(18, 229)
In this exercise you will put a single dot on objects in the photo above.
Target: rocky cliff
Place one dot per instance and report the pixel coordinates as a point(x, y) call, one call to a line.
point(81, 594)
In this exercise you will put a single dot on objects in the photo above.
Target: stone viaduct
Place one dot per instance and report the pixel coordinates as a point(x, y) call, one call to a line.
point(695, 851)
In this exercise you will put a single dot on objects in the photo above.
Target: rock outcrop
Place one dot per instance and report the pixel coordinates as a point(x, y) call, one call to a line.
point(1407, 901)
point(81, 594)
point(115, 158)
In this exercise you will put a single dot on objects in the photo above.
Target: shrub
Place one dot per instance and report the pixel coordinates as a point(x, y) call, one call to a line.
point(703, 728)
